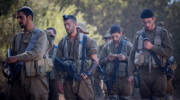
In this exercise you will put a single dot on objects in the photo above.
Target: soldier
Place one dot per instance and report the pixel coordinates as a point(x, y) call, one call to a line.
point(107, 37)
point(28, 50)
point(78, 51)
point(151, 49)
point(96, 81)
point(53, 50)
point(114, 59)
point(52, 79)
point(55, 85)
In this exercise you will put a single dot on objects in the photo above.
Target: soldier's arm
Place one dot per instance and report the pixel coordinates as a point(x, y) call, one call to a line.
point(59, 55)
point(59, 49)
point(131, 58)
point(166, 48)
point(92, 52)
point(37, 51)
point(129, 48)
point(103, 56)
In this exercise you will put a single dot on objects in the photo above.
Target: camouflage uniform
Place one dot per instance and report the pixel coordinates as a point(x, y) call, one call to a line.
point(32, 83)
point(152, 80)
point(120, 88)
point(69, 49)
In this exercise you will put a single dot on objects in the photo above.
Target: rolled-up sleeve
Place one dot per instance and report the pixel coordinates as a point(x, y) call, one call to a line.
point(166, 48)
point(38, 50)
point(92, 47)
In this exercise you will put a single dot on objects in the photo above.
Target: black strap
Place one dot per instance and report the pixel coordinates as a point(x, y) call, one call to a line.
point(157, 60)
point(83, 52)
point(116, 62)
point(33, 40)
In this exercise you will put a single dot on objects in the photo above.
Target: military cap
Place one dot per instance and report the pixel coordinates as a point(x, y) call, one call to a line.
point(66, 17)
point(115, 29)
point(107, 35)
point(147, 13)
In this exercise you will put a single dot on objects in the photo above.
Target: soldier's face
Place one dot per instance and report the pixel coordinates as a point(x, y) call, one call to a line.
point(116, 37)
point(149, 23)
point(52, 36)
point(108, 39)
point(70, 26)
point(22, 19)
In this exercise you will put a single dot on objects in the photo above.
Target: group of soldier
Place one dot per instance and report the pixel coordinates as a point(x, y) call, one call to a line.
point(79, 70)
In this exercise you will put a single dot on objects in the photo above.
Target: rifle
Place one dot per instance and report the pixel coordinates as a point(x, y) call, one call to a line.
point(100, 70)
point(168, 69)
point(67, 67)
point(11, 71)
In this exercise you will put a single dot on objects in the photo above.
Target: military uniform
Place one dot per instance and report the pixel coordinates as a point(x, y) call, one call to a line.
point(152, 80)
point(117, 83)
point(70, 49)
point(32, 83)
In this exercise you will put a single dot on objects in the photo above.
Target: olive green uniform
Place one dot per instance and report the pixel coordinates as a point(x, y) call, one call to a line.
point(69, 49)
point(32, 83)
point(153, 81)
point(121, 86)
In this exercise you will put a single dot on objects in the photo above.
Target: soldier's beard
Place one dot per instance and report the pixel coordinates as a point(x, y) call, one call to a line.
point(70, 32)
point(21, 25)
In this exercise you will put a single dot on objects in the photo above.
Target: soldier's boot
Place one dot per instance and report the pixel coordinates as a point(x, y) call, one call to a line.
point(113, 97)
point(158, 98)
point(169, 97)
point(123, 97)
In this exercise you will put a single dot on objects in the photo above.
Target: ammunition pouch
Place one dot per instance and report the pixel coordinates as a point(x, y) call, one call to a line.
point(36, 68)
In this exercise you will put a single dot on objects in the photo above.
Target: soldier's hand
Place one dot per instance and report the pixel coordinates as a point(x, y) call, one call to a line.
point(121, 57)
point(111, 57)
point(11, 59)
point(131, 79)
point(84, 76)
point(60, 87)
point(148, 45)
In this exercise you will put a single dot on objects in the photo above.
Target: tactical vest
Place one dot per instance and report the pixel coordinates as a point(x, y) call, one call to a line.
point(77, 60)
point(34, 67)
point(142, 56)
point(122, 69)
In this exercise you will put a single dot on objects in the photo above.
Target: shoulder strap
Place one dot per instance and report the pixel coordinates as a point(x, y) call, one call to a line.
point(64, 44)
point(33, 40)
point(120, 46)
point(157, 39)
point(80, 45)
point(140, 36)
point(54, 51)
point(83, 52)
point(116, 63)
